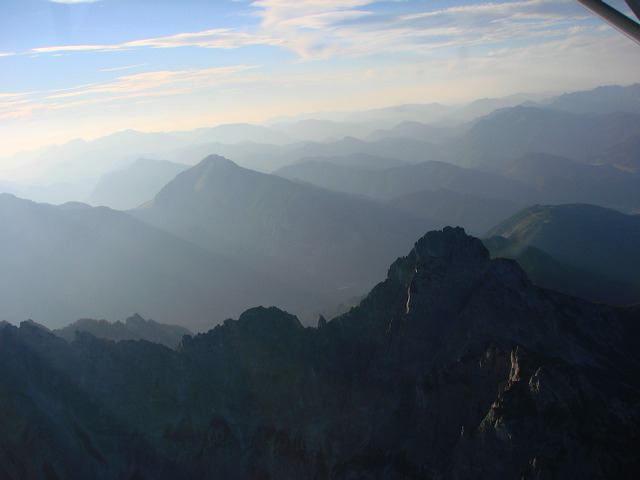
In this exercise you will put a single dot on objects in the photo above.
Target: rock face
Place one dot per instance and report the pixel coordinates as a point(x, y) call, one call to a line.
point(455, 366)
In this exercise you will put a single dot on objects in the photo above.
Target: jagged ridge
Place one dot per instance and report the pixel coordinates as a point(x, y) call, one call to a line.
point(455, 366)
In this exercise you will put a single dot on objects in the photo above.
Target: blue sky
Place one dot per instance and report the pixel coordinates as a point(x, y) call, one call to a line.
point(87, 68)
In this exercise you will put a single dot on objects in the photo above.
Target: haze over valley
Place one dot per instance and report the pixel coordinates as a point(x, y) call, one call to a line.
point(317, 225)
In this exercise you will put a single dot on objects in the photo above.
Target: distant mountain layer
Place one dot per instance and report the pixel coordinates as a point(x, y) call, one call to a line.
point(394, 182)
point(545, 271)
point(561, 180)
point(328, 242)
point(72, 261)
point(510, 133)
point(625, 154)
point(475, 213)
point(134, 328)
point(356, 160)
point(601, 100)
point(135, 184)
point(593, 238)
point(455, 366)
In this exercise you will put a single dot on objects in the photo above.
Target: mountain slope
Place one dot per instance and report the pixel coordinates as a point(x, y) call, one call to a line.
point(601, 100)
point(330, 242)
point(394, 182)
point(135, 184)
point(561, 180)
point(593, 238)
point(510, 133)
point(545, 271)
point(454, 367)
point(625, 155)
point(72, 261)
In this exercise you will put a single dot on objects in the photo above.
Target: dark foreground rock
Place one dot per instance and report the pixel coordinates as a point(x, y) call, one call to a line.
point(455, 366)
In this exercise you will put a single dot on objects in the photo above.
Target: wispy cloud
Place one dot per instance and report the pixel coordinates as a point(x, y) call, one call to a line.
point(223, 38)
point(321, 29)
point(161, 84)
point(122, 68)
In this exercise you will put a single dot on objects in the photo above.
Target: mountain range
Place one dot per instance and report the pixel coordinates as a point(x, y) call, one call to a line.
point(595, 126)
point(134, 184)
point(589, 237)
point(512, 357)
point(134, 328)
point(81, 262)
point(510, 133)
point(328, 242)
point(455, 366)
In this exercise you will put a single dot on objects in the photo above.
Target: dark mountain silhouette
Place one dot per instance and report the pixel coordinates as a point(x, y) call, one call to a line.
point(135, 184)
point(60, 263)
point(134, 328)
point(593, 238)
point(332, 243)
point(545, 271)
point(455, 366)
point(510, 133)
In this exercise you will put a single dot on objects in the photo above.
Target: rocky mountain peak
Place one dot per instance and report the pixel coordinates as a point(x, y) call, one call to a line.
point(442, 266)
point(454, 367)
point(271, 319)
point(450, 255)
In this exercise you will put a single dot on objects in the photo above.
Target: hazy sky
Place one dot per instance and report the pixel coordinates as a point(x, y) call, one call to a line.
point(73, 68)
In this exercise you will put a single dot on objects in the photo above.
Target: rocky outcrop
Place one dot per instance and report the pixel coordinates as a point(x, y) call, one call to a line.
point(455, 366)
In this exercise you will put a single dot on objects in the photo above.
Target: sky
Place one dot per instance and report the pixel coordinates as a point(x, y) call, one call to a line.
point(87, 68)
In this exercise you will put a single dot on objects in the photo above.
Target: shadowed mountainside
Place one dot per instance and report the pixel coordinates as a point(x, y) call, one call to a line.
point(455, 366)
point(545, 271)
point(593, 238)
